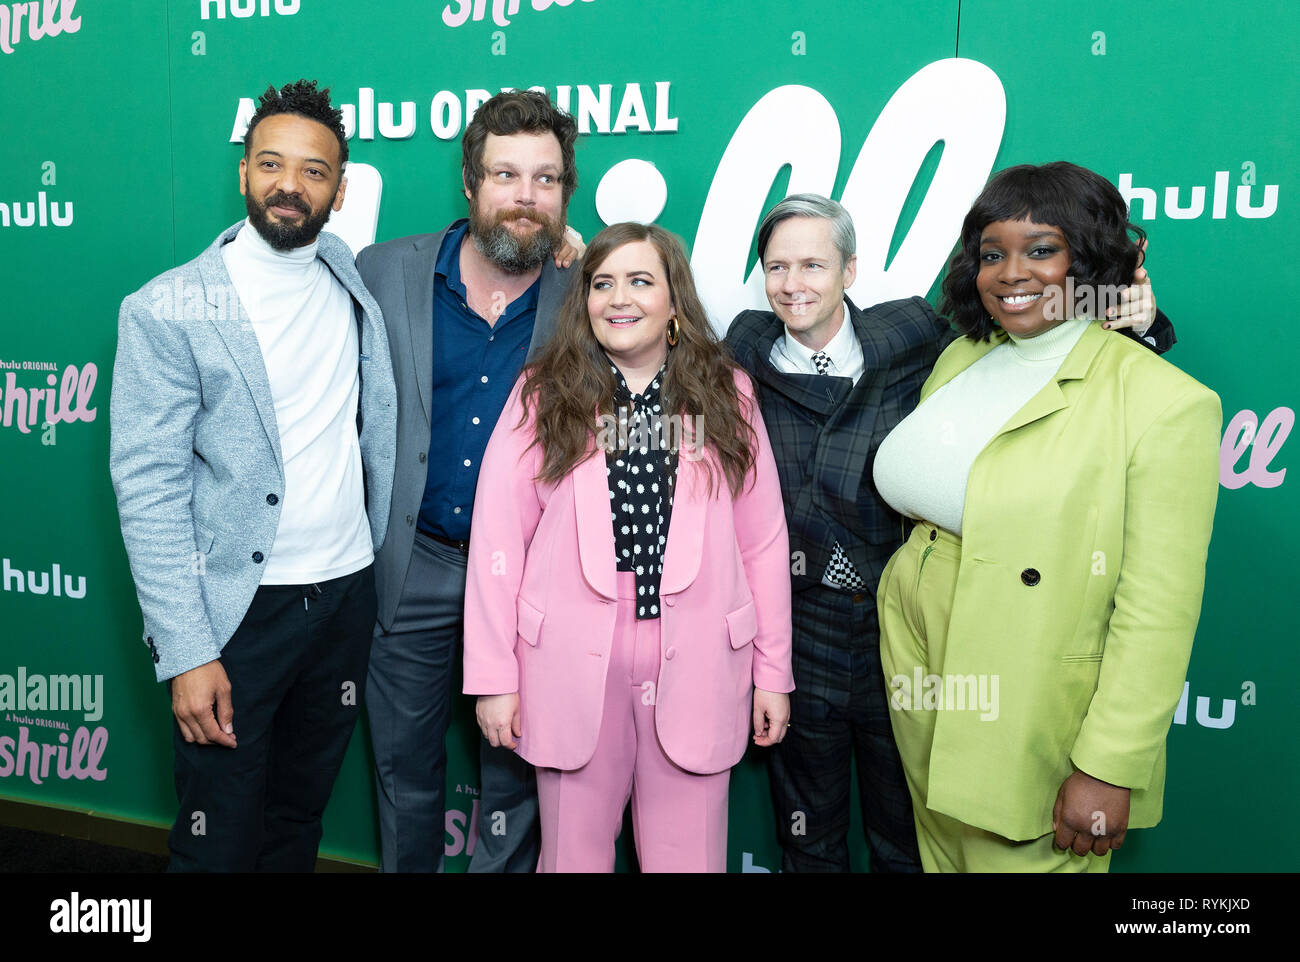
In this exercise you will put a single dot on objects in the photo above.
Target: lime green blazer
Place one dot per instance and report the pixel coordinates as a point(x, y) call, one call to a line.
point(1084, 535)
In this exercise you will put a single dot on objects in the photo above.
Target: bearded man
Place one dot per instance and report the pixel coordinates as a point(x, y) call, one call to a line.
point(465, 307)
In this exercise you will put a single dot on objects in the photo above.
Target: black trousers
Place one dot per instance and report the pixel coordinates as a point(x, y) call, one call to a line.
point(839, 714)
point(297, 670)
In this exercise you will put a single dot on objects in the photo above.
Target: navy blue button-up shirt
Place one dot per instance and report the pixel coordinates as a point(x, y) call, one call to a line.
point(475, 364)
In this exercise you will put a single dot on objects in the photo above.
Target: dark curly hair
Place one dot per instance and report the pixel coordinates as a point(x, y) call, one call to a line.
point(1087, 209)
point(514, 112)
point(302, 98)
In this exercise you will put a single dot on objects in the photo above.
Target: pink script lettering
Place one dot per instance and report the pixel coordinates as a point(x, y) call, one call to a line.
point(1264, 440)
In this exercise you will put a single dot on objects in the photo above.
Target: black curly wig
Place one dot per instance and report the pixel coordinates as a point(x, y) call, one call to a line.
point(302, 98)
point(1084, 206)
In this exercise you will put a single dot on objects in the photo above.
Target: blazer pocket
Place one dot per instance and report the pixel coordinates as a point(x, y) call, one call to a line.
point(1087, 656)
point(203, 537)
point(742, 625)
point(530, 622)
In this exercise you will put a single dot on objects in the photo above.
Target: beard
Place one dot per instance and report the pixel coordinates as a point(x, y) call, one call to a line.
point(282, 235)
point(502, 247)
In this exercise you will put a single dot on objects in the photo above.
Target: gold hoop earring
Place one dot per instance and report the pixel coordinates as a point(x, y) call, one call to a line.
point(674, 331)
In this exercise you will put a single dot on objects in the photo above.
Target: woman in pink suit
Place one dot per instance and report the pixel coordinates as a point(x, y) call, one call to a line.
point(627, 606)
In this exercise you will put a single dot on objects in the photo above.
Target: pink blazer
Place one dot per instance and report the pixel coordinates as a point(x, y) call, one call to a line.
point(541, 599)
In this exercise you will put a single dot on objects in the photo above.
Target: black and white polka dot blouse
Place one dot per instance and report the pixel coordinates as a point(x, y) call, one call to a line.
point(641, 476)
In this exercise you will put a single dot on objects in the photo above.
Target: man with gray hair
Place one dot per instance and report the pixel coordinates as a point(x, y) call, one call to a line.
point(833, 380)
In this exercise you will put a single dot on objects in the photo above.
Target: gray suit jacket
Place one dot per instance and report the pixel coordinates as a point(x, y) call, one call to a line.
point(194, 451)
point(400, 275)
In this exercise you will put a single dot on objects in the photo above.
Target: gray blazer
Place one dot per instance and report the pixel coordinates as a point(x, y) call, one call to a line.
point(400, 275)
point(194, 451)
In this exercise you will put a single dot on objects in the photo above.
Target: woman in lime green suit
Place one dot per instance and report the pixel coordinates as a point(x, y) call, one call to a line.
point(1037, 624)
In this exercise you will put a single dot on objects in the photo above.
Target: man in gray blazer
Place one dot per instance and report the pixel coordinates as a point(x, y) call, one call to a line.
point(465, 308)
point(253, 425)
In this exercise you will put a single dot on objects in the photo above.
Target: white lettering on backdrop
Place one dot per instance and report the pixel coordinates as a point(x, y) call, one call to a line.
point(960, 102)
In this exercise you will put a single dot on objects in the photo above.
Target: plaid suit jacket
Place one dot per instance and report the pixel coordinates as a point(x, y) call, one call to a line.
point(825, 431)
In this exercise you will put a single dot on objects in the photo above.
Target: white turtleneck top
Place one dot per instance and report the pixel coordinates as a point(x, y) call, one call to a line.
point(305, 326)
point(923, 465)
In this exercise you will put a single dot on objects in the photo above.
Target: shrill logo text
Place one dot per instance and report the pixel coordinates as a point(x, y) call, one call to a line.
point(63, 400)
point(45, 18)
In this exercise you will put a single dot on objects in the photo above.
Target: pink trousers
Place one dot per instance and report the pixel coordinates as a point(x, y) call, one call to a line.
point(679, 819)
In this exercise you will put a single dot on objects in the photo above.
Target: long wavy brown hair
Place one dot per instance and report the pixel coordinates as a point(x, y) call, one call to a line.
point(570, 383)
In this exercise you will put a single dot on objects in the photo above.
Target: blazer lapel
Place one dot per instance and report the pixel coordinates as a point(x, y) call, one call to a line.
point(811, 391)
point(342, 266)
point(418, 269)
point(554, 286)
point(685, 542)
point(682, 547)
point(1052, 398)
point(859, 413)
point(595, 531)
point(959, 355)
point(231, 320)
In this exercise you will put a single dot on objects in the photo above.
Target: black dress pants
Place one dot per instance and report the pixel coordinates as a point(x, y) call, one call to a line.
point(839, 714)
point(297, 670)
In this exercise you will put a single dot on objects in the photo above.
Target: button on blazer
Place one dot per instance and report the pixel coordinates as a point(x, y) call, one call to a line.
point(194, 450)
point(1084, 538)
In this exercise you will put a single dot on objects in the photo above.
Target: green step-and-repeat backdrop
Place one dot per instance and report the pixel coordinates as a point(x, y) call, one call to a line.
point(123, 126)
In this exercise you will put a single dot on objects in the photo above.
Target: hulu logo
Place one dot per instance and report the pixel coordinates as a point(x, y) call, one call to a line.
point(243, 9)
point(1175, 209)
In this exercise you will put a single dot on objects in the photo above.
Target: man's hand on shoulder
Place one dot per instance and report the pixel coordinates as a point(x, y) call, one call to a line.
point(196, 694)
point(570, 250)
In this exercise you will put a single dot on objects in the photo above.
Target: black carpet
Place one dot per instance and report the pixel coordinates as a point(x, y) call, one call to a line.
point(25, 851)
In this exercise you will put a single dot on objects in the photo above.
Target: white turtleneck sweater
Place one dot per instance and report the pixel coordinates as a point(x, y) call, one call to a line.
point(304, 323)
point(923, 465)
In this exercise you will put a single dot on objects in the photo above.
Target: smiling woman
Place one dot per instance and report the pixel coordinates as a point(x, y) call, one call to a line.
point(1063, 481)
point(1023, 267)
point(627, 610)
point(630, 308)
point(1059, 231)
